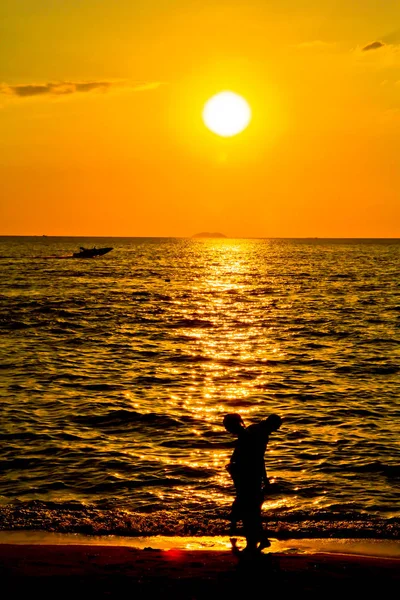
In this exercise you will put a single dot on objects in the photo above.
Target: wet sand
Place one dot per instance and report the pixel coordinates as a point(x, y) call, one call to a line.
point(59, 569)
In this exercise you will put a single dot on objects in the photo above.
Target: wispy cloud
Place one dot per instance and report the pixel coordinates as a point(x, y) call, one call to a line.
point(64, 88)
point(373, 46)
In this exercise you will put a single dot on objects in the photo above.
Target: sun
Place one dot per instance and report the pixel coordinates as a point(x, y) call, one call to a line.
point(226, 114)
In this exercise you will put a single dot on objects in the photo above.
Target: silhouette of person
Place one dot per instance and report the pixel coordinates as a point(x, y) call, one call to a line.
point(247, 468)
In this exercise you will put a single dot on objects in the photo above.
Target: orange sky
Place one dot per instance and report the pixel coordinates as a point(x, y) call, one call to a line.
point(101, 129)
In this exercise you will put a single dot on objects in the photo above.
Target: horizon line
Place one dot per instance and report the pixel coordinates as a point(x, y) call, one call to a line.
point(195, 236)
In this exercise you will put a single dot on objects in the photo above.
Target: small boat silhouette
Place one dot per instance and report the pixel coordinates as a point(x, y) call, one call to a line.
point(90, 252)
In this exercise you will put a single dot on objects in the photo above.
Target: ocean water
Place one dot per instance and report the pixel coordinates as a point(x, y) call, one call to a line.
point(116, 372)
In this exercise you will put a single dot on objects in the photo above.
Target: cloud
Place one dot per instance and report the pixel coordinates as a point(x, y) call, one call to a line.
point(378, 55)
point(64, 88)
point(373, 46)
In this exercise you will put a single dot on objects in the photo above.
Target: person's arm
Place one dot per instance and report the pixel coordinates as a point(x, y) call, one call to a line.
point(265, 476)
point(230, 467)
point(266, 482)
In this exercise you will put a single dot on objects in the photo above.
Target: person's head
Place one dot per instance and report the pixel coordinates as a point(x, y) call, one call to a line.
point(233, 423)
point(272, 423)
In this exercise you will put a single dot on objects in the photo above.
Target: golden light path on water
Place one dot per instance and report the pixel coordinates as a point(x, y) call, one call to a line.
point(223, 278)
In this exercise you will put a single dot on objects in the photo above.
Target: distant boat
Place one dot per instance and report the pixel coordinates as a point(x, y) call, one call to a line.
point(90, 252)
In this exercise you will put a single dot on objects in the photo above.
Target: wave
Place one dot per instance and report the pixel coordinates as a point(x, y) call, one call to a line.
point(74, 517)
point(190, 324)
point(128, 417)
point(367, 369)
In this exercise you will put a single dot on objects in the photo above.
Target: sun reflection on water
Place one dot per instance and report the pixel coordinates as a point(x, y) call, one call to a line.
point(229, 347)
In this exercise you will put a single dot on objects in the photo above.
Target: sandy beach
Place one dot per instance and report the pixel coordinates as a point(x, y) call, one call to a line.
point(109, 571)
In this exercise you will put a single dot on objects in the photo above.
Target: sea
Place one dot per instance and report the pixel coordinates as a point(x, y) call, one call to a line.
point(116, 373)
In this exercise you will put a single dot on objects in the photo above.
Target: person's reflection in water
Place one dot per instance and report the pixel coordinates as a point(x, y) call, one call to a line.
point(247, 469)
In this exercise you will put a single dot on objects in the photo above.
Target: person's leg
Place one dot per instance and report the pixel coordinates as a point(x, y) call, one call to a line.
point(256, 537)
point(264, 539)
point(252, 522)
point(236, 509)
point(250, 532)
point(234, 517)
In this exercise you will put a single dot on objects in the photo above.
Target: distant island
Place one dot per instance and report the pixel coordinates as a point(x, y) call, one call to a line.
point(208, 234)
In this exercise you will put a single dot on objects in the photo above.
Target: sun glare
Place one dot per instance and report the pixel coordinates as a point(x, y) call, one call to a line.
point(226, 114)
